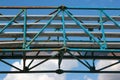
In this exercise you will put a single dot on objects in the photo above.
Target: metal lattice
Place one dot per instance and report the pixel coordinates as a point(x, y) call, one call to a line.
point(69, 36)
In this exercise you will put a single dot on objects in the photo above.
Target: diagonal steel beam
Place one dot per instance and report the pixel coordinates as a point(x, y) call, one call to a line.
point(109, 66)
point(45, 18)
point(42, 29)
point(79, 60)
point(11, 21)
point(80, 25)
point(110, 18)
point(10, 64)
point(43, 61)
point(33, 59)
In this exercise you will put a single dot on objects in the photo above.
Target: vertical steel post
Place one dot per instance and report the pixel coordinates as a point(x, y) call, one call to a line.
point(104, 45)
point(60, 55)
point(24, 39)
point(63, 28)
point(25, 29)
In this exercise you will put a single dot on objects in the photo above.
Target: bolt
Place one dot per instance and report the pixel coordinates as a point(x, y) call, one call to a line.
point(59, 71)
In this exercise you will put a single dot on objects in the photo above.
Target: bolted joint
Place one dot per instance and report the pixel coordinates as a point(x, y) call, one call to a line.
point(62, 7)
point(26, 69)
point(103, 46)
point(59, 71)
point(92, 68)
point(64, 49)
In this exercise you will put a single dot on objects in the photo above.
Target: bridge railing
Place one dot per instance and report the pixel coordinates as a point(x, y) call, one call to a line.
point(61, 29)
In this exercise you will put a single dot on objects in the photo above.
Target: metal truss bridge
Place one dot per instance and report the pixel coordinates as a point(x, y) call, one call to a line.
point(50, 32)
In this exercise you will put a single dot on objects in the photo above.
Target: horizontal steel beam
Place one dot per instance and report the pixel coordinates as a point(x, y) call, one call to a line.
point(28, 7)
point(46, 17)
point(65, 57)
point(58, 25)
point(15, 44)
point(63, 71)
point(51, 33)
point(54, 7)
point(59, 49)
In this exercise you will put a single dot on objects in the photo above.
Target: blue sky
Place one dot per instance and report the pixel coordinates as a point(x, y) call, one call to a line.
point(73, 3)
point(80, 3)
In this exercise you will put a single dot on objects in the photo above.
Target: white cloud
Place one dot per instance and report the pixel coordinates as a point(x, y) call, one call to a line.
point(87, 78)
point(51, 64)
point(103, 63)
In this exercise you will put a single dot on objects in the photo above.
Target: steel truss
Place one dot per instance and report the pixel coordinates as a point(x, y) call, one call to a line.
point(68, 36)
